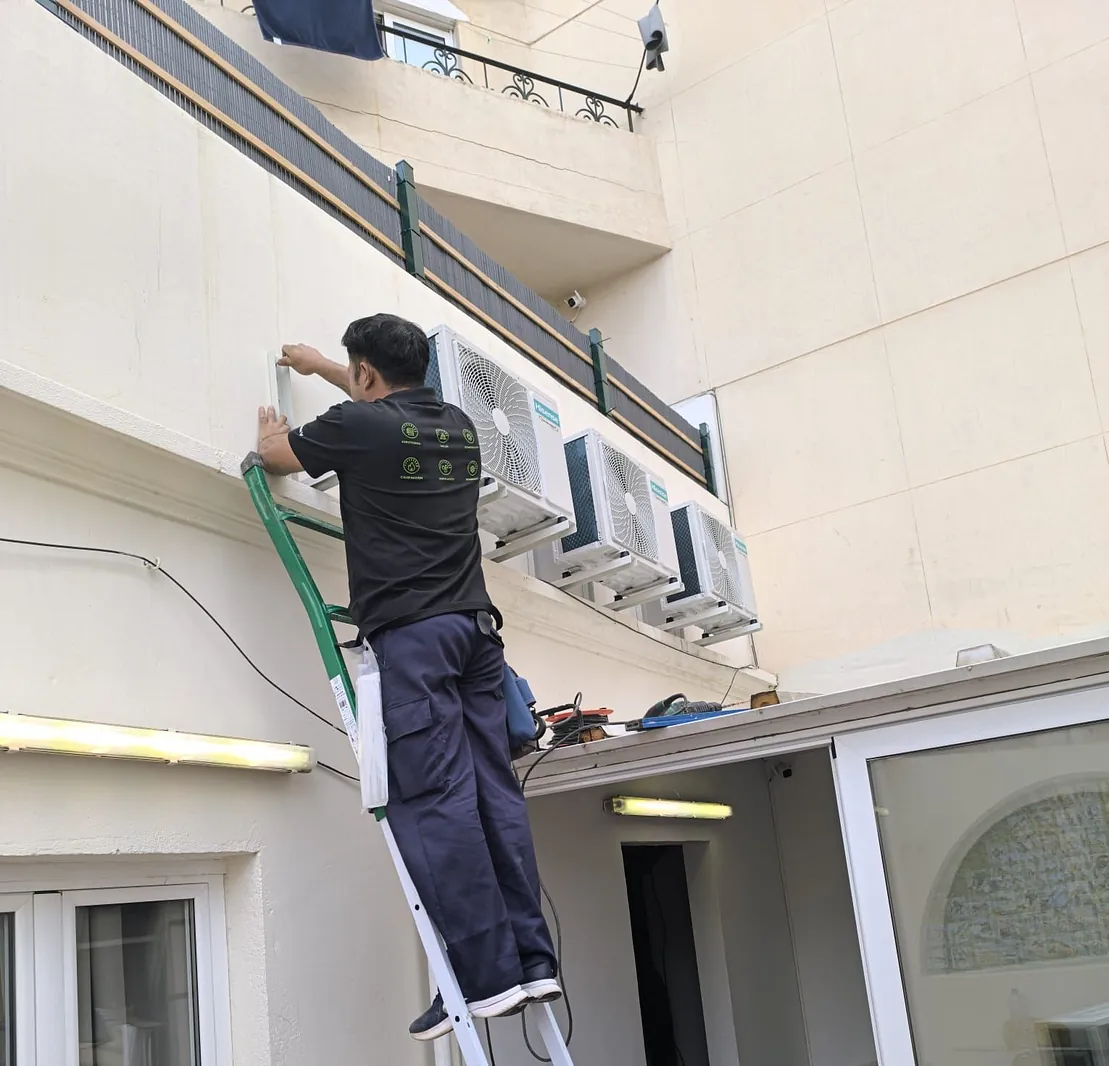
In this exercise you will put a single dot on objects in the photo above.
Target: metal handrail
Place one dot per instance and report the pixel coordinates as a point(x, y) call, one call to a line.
point(524, 82)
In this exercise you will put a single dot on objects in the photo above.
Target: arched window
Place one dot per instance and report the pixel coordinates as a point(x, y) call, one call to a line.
point(1033, 887)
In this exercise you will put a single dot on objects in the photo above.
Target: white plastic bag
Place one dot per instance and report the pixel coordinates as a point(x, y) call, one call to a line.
point(373, 758)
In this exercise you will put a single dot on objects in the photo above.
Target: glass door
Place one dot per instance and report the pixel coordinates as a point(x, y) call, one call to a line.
point(978, 847)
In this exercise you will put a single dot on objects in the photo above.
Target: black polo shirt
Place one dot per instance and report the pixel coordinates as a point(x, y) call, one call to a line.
point(409, 467)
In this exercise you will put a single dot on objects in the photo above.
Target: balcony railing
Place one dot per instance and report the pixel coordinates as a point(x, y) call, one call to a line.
point(473, 69)
point(176, 51)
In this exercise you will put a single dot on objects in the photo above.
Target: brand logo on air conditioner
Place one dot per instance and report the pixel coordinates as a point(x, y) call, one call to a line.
point(659, 491)
point(740, 546)
point(548, 414)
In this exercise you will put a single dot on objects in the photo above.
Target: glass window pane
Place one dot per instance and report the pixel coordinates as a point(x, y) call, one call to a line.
point(7, 990)
point(136, 984)
point(420, 53)
point(997, 859)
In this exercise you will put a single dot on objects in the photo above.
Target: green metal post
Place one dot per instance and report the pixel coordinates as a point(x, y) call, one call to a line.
point(706, 455)
point(321, 615)
point(601, 384)
point(410, 238)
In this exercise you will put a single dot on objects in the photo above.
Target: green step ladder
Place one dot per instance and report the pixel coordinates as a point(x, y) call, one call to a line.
point(323, 617)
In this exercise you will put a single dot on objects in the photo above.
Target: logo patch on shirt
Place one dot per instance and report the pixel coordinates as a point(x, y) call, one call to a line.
point(411, 468)
point(410, 433)
point(442, 436)
point(548, 414)
point(472, 468)
point(445, 468)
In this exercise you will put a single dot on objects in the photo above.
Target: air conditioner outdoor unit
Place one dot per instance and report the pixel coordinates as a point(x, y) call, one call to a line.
point(624, 539)
point(718, 595)
point(525, 496)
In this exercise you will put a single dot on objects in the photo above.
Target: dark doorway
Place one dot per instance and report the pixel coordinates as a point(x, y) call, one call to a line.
point(665, 955)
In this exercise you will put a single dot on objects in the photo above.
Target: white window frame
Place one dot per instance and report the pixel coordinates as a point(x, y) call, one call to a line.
point(45, 930)
point(21, 907)
point(441, 14)
point(873, 909)
point(403, 22)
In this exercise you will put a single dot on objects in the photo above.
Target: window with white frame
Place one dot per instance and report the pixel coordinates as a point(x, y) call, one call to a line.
point(418, 52)
point(115, 977)
point(411, 32)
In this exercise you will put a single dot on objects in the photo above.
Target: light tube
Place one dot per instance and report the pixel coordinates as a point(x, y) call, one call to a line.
point(65, 736)
point(660, 808)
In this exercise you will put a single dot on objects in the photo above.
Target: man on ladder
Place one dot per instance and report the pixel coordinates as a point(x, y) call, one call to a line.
point(409, 467)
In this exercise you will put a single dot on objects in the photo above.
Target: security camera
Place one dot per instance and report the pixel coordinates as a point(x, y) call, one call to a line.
point(575, 301)
point(782, 770)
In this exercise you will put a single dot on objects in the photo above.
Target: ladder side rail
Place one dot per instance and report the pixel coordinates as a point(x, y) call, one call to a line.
point(273, 518)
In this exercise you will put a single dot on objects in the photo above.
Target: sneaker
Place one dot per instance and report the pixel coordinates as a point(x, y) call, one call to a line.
point(433, 1023)
point(541, 982)
point(436, 1022)
point(511, 1001)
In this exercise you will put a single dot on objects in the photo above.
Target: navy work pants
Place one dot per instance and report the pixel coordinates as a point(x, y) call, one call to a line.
point(455, 807)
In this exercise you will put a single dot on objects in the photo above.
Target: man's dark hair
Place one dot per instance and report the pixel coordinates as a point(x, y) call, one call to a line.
point(396, 348)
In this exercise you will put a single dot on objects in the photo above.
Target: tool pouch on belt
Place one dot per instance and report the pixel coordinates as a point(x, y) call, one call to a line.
point(373, 759)
point(524, 729)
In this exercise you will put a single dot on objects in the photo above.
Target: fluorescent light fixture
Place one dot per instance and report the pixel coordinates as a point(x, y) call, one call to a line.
point(64, 736)
point(659, 808)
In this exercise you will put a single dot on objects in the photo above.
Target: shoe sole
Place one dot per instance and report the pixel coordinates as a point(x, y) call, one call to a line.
point(434, 1033)
point(546, 991)
point(499, 1005)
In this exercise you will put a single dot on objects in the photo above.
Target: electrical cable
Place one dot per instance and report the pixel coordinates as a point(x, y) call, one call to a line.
point(568, 738)
point(731, 684)
point(337, 773)
point(642, 62)
point(605, 613)
point(562, 978)
point(155, 564)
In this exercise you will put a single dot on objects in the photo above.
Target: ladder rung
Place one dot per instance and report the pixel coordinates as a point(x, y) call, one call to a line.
point(295, 518)
point(339, 614)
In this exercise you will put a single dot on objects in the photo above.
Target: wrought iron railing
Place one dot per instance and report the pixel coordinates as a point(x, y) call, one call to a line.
point(473, 69)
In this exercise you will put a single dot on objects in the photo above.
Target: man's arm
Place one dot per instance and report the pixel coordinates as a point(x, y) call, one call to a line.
point(273, 443)
point(307, 361)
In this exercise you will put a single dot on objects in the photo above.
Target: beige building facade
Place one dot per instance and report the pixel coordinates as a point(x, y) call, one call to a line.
point(875, 230)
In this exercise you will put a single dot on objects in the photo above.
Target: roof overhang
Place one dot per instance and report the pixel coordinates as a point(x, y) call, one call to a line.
point(815, 721)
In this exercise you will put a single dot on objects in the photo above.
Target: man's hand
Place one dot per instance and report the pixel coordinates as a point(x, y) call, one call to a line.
point(302, 358)
point(273, 443)
point(270, 425)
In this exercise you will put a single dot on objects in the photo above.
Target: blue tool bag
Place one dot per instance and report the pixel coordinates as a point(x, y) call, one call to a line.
point(524, 729)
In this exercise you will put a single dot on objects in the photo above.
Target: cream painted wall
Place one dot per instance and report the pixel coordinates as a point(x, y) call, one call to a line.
point(772, 913)
point(314, 908)
point(146, 268)
point(736, 887)
point(891, 254)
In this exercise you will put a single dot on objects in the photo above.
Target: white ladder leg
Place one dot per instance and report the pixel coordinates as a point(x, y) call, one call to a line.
point(551, 1035)
point(473, 1052)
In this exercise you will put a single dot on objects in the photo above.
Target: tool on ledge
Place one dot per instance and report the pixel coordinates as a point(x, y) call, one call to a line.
point(677, 710)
